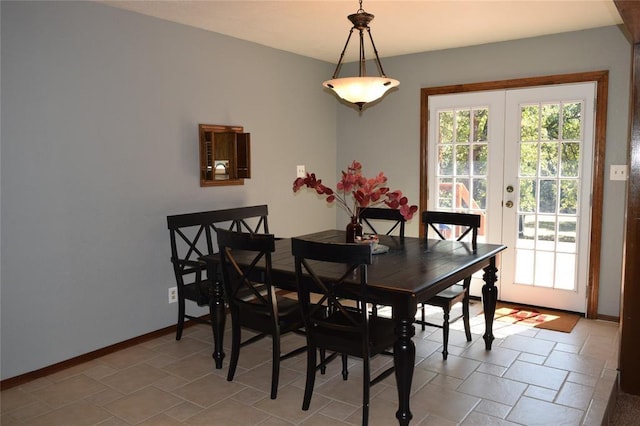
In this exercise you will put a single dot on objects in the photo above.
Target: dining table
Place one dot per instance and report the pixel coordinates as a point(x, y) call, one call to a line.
point(409, 272)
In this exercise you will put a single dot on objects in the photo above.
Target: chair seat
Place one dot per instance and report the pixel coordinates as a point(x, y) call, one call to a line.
point(447, 297)
point(199, 292)
point(259, 317)
point(381, 336)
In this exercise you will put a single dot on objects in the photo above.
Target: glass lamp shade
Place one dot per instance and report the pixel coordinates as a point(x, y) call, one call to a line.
point(361, 90)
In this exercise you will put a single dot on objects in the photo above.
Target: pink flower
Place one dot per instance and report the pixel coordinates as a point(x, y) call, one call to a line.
point(365, 192)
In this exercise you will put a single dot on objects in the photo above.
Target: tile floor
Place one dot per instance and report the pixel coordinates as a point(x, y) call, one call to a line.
point(531, 377)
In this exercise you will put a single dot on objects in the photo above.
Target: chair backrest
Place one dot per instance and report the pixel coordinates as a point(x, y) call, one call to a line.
point(311, 259)
point(247, 282)
point(193, 234)
point(374, 215)
point(451, 225)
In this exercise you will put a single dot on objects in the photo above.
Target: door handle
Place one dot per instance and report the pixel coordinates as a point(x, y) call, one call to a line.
point(509, 204)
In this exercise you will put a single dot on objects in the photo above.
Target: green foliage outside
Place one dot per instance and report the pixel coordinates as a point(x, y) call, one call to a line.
point(550, 133)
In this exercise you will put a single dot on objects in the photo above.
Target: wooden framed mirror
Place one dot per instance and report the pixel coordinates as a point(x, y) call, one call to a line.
point(225, 155)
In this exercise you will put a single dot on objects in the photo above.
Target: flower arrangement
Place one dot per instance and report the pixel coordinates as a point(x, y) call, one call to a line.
point(365, 192)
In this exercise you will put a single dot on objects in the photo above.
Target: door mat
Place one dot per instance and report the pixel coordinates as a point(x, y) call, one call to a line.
point(533, 316)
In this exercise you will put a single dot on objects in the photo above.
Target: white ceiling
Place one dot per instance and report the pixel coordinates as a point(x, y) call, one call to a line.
point(319, 29)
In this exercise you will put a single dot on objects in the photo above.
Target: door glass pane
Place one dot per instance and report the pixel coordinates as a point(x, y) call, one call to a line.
point(445, 160)
point(524, 274)
point(480, 124)
point(462, 194)
point(569, 159)
point(528, 159)
point(529, 123)
point(567, 237)
point(479, 159)
point(480, 194)
point(528, 195)
point(526, 231)
point(445, 119)
point(549, 159)
point(445, 193)
point(544, 269)
point(462, 160)
point(571, 121)
point(462, 125)
point(566, 274)
point(550, 117)
point(548, 196)
point(568, 196)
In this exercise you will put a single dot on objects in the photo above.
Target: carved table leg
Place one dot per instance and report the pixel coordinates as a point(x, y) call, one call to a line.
point(489, 299)
point(404, 356)
point(218, 319)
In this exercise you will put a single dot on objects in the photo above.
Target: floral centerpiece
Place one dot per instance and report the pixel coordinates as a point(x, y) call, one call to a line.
point(365, 193)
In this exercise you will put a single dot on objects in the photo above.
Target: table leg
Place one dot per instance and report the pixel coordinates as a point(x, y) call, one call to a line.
point(218, 318)
point(404, 357)
point(489, 299)
point(217, 313)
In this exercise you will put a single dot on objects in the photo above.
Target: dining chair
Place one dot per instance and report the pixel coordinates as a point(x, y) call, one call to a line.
point(334, 272)
point(192, 236)
point(390, 221)
point(252, 298)
point(457, 226)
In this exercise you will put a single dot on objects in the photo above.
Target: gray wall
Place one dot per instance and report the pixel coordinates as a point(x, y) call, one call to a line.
point(99, 121)
point(100, 111)
point(387, 136)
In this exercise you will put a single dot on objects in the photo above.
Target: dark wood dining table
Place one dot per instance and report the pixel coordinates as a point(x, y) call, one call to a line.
point(411, 272)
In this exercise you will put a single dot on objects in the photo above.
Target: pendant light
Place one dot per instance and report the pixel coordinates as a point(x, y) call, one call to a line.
point(361, 89)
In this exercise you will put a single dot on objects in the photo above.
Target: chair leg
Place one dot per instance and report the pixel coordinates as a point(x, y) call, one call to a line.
point(212, 322)
point(180, 325)
point(423, 309)
point(366, 387)
point(323, 357)
point(465, 317)
point(311, 377)
point(345, 369)
point(275, 370)
point(445, 333)
point(235, 348)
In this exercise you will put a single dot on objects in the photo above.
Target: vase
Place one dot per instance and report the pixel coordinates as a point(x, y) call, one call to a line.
point(354, 229)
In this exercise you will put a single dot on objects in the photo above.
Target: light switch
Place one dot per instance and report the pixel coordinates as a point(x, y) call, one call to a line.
point(618, 172)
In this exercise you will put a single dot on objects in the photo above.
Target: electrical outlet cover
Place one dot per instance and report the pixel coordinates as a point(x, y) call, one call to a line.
point(618, 172)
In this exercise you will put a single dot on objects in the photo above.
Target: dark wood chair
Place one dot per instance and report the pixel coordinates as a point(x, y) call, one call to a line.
point(458, 226)
point(330, 323)
point(193, 235)
point(390, 221)
point(252, 298)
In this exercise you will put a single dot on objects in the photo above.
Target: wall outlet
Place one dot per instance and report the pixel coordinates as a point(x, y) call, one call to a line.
point(618, 172)
point(300, 171)
point(173, 294)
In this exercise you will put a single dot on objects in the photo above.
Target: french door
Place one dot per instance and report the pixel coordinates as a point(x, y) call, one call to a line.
point(522, 159)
